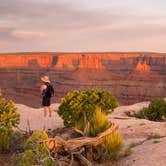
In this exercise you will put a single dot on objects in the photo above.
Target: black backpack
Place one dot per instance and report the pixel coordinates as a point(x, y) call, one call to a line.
point(49, 90)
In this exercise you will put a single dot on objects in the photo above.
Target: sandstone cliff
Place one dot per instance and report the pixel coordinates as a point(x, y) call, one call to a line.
point(132, 77)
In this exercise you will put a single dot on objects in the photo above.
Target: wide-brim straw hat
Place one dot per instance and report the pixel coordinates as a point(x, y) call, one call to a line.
point(45, 79)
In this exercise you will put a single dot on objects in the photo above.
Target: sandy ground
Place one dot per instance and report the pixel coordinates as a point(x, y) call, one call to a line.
point(148, 138)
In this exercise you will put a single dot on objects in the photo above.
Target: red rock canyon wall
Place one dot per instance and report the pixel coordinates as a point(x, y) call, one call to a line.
point(132, 77)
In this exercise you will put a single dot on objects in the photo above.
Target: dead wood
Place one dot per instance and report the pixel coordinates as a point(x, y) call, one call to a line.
point(79, 148)
point(58, 144)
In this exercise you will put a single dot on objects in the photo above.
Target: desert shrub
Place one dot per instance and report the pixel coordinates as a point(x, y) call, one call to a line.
point(140, 114)
point(99, 122)
point(112, 144)
point(81, 105)
point(9, 118)
point(36, 151)
point(156, 111)
point(17, 140)
point(28, 158)
point(35, 139)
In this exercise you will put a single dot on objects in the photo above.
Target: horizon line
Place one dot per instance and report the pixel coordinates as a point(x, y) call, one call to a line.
point(83, 52)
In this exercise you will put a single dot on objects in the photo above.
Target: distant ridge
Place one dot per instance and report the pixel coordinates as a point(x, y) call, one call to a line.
point(79, 52)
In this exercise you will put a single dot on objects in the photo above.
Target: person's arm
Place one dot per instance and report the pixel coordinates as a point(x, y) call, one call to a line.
point(42, 89)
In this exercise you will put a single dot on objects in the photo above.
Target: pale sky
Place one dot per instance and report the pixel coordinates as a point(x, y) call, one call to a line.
point(82, 25)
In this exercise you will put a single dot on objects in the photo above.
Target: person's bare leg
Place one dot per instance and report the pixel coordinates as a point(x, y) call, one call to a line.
point(50, 112)
point(45, 111)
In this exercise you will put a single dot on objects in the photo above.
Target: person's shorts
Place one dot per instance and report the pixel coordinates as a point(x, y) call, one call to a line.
point(46, 101)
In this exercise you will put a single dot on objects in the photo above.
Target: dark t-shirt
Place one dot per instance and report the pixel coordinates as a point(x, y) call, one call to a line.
point(47, 94)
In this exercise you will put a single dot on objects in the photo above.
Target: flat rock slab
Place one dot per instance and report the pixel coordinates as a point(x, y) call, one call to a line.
point(150, 153)
point(36, 119)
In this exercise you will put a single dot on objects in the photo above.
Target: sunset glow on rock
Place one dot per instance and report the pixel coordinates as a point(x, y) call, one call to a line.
point(25, 60)
point(130, 76)
point(143, 67)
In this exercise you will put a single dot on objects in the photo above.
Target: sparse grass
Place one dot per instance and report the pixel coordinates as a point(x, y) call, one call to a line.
point(134, 144)
point(139, 114)
point(127, 152)
point(154, 136)
point(128, 113)
point(129, 126)
point(156, 141)
point(113, 144)
point(99, 122)
point(142, 124)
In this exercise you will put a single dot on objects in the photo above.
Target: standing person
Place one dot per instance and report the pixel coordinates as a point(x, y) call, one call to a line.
point(47, 91)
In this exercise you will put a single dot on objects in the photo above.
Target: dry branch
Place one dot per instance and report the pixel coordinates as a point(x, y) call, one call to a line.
point(58, 144)
point(80, 149)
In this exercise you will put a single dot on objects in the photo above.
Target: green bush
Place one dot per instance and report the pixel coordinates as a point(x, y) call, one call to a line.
point(36, 151)
point(156, 111)
point(28, 158)
point(9, 118)
point(79, 106)
point(35, 140)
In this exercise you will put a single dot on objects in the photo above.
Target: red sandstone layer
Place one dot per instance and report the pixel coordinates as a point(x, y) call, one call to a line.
point(132, 77)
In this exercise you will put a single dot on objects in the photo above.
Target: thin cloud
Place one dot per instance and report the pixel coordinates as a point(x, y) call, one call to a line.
point(66, 25)
point(40, 14)
point(28, 35)
point(6, 33)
